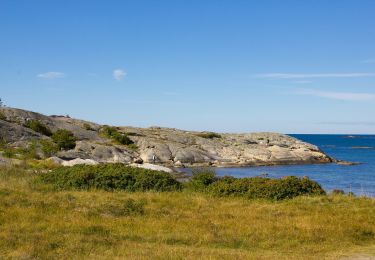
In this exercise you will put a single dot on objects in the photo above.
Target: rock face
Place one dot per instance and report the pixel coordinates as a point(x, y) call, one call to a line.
point(165, 146)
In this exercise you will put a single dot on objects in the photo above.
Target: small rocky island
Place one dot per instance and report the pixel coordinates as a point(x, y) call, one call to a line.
point(166, 147)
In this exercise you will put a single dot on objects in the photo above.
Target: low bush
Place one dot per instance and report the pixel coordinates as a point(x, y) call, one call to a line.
point(49, 148)
point(64, 139)
point(110, 177)
point(39, 127)
point(87, 127)
point(209, 135)
point(338, 192)
point(116, 136)
point(201, 179)
point(265, 188)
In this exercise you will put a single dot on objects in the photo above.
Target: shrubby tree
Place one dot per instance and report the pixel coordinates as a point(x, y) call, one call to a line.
point(64, 139)
point(39, 127)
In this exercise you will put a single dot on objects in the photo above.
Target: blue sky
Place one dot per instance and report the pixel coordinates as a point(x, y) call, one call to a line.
point(223, 65)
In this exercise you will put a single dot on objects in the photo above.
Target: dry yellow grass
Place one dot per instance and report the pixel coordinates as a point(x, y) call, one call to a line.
point(38, 222)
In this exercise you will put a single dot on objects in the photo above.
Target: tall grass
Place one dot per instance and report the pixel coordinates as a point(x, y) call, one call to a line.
point(36, 221)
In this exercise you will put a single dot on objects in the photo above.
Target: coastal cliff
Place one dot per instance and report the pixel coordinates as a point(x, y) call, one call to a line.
point(156, 145)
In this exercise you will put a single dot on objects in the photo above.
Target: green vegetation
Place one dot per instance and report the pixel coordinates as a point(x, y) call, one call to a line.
point(209, 135)
point(64, 139)
point(110, 177)
point(122, 177)
point(49, 148)
point(115, 135)
point(133, 147)
point(201, 179)
point(29, 152)
point(40, 222)
point(259, 187)
point(253, 188)
point(39, 127)
point(2, 116)
point(88, 127)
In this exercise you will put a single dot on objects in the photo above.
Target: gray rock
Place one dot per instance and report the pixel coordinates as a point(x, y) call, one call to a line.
point(165, 146)
point(79, 161)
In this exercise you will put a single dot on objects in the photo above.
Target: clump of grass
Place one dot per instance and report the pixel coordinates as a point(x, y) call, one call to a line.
point(110, 177)
point(39, 127)
point(116, 136)
point(129, 207)
point(209, 135)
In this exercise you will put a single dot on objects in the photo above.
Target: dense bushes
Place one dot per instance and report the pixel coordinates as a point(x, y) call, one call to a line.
point(120, 177)
point(201, 179)
point(209, 135)
point(64, 139)
point(256, 187)
point(110, 177)
point(115, 135)
point(259, 187)
point(39, 127)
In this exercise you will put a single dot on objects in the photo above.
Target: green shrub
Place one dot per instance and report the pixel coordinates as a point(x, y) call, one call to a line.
point(8, 153)
point(88, 127)
point(49, 148)
point(39, 127)
point(258, 187)
point(64, 139)
point(133, 147)
point(30, 152)
point(110, 177)
point(338, 192)
point(209, 135)
point(202, 178)
point(116, 136)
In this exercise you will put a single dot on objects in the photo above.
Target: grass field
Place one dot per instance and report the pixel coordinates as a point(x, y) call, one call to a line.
point(37, 221)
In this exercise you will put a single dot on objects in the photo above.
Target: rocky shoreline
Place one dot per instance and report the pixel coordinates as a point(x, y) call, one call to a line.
point(167, 147)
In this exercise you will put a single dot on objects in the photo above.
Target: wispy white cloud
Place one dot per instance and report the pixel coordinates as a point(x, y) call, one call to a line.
point(51, 75)
point(313, 75)
point(119, 74)
point(347, 96)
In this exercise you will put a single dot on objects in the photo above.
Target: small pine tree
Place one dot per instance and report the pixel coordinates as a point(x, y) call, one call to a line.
point(1, 103)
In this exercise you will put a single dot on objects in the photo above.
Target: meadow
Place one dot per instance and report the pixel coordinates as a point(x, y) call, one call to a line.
point(38, 221)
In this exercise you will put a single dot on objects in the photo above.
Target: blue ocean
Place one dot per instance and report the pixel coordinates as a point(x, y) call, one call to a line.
point(359, 179)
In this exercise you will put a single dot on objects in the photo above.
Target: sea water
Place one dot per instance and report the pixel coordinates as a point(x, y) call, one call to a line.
point(359, 179)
